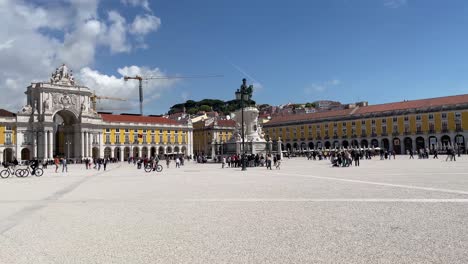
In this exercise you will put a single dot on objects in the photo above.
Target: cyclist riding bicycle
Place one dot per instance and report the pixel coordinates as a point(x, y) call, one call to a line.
point(34, 165)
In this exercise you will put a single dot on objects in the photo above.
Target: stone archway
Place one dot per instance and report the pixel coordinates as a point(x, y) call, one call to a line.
point(295, 147)
point(8, 155)
point(397, 145)
point(126, 153)
point(420, 143)
point(288, 147)
point(169, 150)
point(64, 130)
point(176, 149)
point(327, 144)
point(354, 143)
point(153, 151)
point(107, 152)
point(135, 152)
point(364, 143)
point(96, 152)
point(25, 154)
point(445, 140)
point(433, 142)
point(117, 153)
point(161, 150)
point(374, 143)
point(144, 152)
point(385, 144)
point(311, 145)
point(408, 143)
point(460, 143)
point(319, 145)
point(345, 144)
point(336, 144)
point(303, 146)
point(184, 150)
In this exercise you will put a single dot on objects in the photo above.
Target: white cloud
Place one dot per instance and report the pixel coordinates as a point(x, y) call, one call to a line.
point(116, 86)
point(145, 24)
point(321, 87)
point(394, 3)
point(37, 37)
point(142, 3)
point(116, 35)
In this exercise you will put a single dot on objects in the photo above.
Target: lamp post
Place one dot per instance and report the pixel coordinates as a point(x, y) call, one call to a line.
point(243, 94)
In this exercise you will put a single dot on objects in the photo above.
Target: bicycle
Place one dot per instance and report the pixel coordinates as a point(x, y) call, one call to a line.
point(9, 170)
point(150, 168)
point(28, 170)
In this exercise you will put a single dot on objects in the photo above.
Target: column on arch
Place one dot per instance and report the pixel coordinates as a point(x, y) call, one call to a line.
point(50, 144)
point(83, 154)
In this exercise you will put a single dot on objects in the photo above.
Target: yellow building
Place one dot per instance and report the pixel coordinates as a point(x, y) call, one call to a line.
point(211, 131)
point(400, 126)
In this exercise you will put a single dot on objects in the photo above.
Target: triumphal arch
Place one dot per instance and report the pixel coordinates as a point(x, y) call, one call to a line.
point(60, 119)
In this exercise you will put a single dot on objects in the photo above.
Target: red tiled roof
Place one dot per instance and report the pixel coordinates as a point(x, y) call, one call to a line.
point(318, 115)
point(138, 119)
point(405, 105)
point(227, 123)
point(5, 113)
point(414, 104)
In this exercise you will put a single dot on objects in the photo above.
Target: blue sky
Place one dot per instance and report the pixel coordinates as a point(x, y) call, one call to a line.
point(299, 51)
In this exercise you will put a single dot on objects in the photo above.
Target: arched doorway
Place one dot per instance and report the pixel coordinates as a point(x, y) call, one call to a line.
point(385, 144)
point(364, 143)
point(95, 152)
point(65, 145)
point(336, 144)
point(176, 149)
point(8, 155)
point(397, 145)
point(126, 153)
point(354, 143)
point(445, 140)
point(408, 143)
point(319, 145)
point(184, 150)
point(345, 144)
point(288, 147)
point(460, 143)
point(107, 153)
point(374, 143)
point(303, 146)
point(144, 152)
point(117, 153)
point(311, 145)
point(136, 151)
point(169, 150)
point(161, 150)
point(327, 144)
point(420, 143)
point(25, 154)
point(295, 147)
point(433, 142)
point(153, 151)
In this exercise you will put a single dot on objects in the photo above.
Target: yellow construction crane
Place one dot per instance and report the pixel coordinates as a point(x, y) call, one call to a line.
point(141, 78)
point(95, 97)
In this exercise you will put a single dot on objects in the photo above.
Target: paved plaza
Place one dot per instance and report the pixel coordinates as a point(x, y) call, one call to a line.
point(397, 211)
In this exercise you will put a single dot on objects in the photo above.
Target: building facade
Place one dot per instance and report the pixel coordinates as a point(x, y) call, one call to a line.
point(59, 120)
point(400, 126)
point(211, 131)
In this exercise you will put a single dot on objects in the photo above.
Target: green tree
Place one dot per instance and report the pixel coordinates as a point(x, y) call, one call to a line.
point(205, 108)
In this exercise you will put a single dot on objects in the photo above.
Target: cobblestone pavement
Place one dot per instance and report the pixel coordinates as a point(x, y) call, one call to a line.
point(396, 211)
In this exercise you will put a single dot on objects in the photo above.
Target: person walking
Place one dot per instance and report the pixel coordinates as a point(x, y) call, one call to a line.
point(411, 154)
point(104, 164)
point(177, 162)
point(168, 161)
point(436, 154)
point(356, 159)
point(56, 162)
point(64, 165)
point(223, 162)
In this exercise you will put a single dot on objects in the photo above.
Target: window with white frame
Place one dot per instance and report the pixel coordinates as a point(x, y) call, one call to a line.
point(127, 138)
point(8, 139)
point(444, 115)
point(418, 117)
point(107, 138)
point(117, 138)
point(431, 116)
